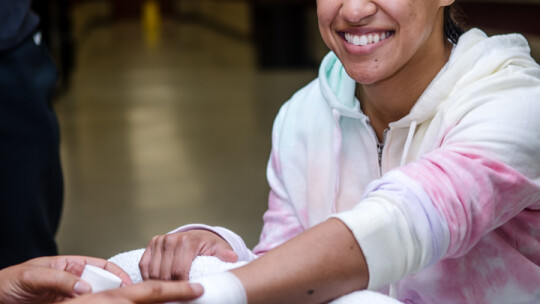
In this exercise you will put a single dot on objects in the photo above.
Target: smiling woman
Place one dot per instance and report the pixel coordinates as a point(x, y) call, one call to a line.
point(414, 50)
point(409, 166)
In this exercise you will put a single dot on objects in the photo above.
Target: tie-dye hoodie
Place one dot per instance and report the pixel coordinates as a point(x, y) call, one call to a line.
point(447, 210)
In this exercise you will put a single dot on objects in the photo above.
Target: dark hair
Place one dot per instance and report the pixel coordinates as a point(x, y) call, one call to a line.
point(452, 27)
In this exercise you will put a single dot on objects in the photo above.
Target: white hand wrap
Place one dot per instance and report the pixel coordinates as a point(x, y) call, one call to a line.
point(100, 279)
point(222, 288)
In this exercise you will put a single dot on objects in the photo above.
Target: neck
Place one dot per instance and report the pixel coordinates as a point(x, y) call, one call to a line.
point(391, 99)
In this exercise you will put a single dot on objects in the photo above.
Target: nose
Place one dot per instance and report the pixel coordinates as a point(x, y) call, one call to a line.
point(354, 11)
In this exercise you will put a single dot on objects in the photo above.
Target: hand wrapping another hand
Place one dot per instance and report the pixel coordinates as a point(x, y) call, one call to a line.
point(50, 279)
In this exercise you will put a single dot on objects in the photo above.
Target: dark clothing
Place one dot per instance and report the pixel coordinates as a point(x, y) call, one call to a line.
point(17, 22)
point(31, 186)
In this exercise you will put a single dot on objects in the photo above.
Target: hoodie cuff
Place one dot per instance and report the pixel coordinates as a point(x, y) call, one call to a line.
point(382, 232)
point(398, 228)
point(235, 241)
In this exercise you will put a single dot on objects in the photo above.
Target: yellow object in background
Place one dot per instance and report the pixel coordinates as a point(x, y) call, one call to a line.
point(151, 21)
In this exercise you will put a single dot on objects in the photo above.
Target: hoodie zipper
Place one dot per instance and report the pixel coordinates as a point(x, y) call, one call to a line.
point(380, 147)
point(380, 144)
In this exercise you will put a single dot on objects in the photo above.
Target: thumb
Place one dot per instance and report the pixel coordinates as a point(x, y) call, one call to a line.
point(48, 280)
point(226, 255)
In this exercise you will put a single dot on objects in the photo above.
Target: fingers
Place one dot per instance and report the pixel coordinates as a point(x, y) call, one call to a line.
point(110, 267)
point(38, 279)
point(184, 257)
point(144, 262)
point(154, 291)
point(173, 256)
point(168, 247)
point(144, 293)
point(155, 263)
point(178, 254)
point(226, 255)
point(169, 257)
point(118, 271)
point(146, 259)
point(75, 265)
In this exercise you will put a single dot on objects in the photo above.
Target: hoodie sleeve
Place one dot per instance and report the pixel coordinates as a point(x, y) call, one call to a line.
point(281, 222)
point(487, 169)
point(485, 172)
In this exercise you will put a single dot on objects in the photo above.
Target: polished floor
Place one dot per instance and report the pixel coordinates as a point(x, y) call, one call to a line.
point(164, 128)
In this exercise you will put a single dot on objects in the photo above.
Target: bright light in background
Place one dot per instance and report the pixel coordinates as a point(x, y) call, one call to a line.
point(151, 22)
point(159, 150)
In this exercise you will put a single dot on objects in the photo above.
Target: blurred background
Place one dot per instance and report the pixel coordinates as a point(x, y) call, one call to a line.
point(166, 107)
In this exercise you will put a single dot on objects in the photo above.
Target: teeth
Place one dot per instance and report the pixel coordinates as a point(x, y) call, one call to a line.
point(365, 39)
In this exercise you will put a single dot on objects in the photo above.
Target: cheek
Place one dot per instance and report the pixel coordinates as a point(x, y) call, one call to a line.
point(325, 18)
point(417, 22)
point(425, 14)
point(325, 34)
point(328, 10)
point(412, 15)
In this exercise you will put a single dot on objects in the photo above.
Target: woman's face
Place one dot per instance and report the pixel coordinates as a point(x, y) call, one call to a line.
point(375, 39)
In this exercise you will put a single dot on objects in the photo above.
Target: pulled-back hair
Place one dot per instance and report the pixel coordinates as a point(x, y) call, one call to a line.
point(452, 27)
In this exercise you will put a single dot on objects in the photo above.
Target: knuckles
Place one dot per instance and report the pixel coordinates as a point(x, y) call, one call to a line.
point(170, 242)
point(179, 273)
point(27, 275)
point(192, 242)
point(152, 288)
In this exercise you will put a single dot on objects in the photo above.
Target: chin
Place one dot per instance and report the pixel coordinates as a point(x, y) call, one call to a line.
point(364, 78)
point(364, 73)
point(365, 81)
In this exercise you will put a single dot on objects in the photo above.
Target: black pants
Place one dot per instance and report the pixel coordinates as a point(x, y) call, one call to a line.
point(31, 184)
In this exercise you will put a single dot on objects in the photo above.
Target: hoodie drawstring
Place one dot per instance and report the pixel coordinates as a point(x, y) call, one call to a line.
point(408, 142)
point(412, 128)
point(337, 154)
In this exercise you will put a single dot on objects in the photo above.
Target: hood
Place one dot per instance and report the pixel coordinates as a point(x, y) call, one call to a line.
point(475, 57)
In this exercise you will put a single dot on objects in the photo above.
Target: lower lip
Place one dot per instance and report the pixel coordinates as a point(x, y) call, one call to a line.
point(364, 49)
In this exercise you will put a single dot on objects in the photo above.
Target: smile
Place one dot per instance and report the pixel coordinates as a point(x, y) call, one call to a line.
point(367, 38)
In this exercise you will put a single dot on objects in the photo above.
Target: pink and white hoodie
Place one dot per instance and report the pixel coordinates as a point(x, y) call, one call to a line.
point(449, 210)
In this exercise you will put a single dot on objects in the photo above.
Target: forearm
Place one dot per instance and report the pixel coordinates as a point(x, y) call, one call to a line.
point(321, 264)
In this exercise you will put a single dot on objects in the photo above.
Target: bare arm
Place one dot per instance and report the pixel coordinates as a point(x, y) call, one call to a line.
point(319, 265)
